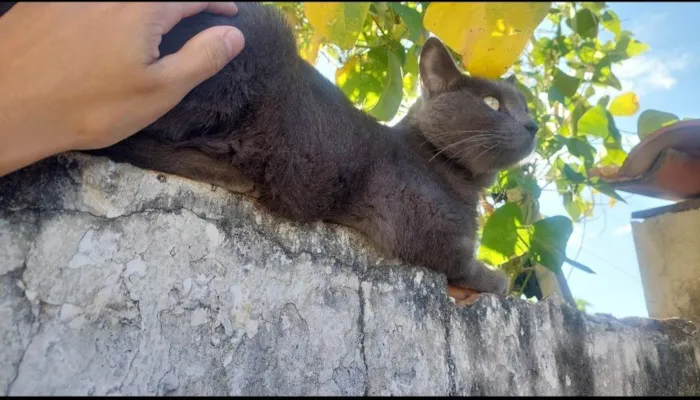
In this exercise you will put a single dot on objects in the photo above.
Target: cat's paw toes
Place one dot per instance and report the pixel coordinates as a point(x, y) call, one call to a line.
point(486, 281)
point(462, 296)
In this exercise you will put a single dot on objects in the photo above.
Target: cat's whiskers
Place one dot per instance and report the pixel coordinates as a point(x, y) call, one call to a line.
point(472, 138)
point(462, 141)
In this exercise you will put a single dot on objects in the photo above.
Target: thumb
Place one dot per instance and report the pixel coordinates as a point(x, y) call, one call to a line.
point(201, 57)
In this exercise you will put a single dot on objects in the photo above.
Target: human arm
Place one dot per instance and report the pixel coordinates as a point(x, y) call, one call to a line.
point(77, 76)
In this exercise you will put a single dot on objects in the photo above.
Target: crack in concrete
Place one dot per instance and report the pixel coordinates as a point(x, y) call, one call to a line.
point(26, 349)
point(361, 327)
point(451, 367)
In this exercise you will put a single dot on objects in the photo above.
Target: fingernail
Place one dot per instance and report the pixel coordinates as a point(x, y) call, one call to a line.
point(234, 41)
point(235, 8)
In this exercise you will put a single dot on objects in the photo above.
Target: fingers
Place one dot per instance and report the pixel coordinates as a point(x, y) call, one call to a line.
point(199, 59)
point(178, 11)
point(222, 7)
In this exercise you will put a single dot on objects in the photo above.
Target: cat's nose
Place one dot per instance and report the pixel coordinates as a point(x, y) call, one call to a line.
point(532, 127)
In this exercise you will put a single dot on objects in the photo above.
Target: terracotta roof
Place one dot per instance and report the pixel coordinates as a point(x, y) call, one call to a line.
point(665, 165)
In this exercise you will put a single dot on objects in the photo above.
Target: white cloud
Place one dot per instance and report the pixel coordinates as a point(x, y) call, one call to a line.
point(647, 73)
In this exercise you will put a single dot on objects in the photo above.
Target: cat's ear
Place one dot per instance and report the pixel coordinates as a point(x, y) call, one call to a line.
point(511, 79)
point(438, 70)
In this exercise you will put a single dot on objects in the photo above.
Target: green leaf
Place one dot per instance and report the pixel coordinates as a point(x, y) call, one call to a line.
point(585, 23)
point(587, 53)
point(398, 50)
point(573, 176)
point(582, 149)
point(614, 157)
point(411, 64)
point(549, 239)
point(627, 47)
point(390, 99)
point(651, 120)
point(635, 47)
point(580, 266)
point(575, 206)
point(603, 101)
point(500, 241)
point(605, 188)
point(594, 122)
point(594, 5)
point(566, 84)
point(362, 77)
point(582, 304)
point(604, 75)
point(412, 19)
point(611, 22)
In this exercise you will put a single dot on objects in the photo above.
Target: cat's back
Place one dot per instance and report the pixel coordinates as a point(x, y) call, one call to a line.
point(258, 75)
point(269, 41)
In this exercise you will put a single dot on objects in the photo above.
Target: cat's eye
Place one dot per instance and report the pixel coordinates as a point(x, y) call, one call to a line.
point(492, 102)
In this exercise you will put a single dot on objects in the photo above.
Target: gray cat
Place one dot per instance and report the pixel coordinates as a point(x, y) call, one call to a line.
point(271, 126)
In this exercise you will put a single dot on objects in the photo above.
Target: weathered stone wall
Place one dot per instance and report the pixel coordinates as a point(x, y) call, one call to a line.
point(115, 280)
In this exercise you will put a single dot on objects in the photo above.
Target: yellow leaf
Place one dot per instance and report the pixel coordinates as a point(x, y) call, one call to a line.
point(342, 73)
point(624, 105)
point(489, 36)
point(310, 52)
point(611, 202)
point(339, 23)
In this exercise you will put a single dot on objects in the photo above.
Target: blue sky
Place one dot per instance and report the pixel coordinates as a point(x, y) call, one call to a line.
point(664, 78)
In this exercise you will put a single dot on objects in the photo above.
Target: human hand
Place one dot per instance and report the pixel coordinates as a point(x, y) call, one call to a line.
point(77, 76)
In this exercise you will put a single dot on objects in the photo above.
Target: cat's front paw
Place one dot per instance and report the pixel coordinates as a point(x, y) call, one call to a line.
point(483, 279)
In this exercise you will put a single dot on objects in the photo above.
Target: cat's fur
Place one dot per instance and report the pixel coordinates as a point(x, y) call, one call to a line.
point(270, 125)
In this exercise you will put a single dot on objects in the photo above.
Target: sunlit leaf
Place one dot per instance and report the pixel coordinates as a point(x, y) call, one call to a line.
point(605, 188)
point(580, 148)
point(572, 175)
point(627, 48)
point(489, 36)
point(411, 18)
point(585, 23)
point(594, 122)
point(611, 22)
point(566, 84)
point(652, 120)
point(500, 241)
point(624, 105)
point(390, 99)
point(339, 23)
point(575, 206)
point(363, 78)
point(614, 157)
point(548, 242)
point(310, 52)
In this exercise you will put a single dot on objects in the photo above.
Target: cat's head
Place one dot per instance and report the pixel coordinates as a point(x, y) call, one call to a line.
point(482, 124)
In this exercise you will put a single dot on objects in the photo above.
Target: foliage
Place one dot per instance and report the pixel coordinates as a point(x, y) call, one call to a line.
point(582, 305)
point(562, 55)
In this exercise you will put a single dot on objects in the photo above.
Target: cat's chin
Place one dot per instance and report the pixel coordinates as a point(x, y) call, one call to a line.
point(512, 159)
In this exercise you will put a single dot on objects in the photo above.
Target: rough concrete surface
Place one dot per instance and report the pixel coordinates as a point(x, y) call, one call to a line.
point(115, 280)
point(668, 251)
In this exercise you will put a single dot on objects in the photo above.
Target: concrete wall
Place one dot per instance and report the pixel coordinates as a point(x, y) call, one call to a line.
point(668, 251)
point(115, 280)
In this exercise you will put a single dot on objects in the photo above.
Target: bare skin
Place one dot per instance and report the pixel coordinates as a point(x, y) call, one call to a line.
point(100, 77)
